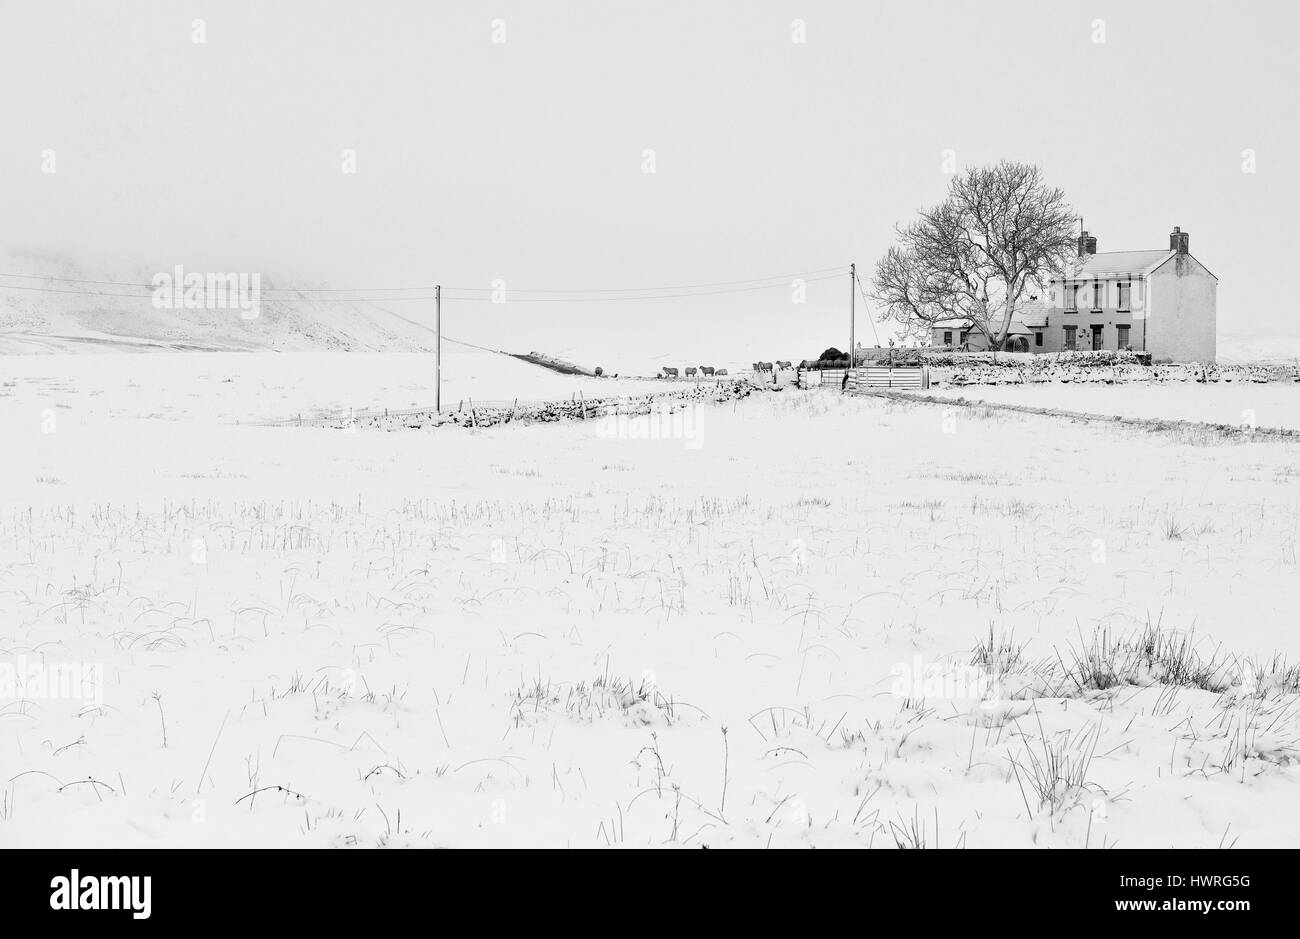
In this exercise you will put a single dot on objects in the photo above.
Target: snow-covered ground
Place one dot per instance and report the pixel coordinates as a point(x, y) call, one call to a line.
point(760, 630)
point(1264, 404)
point(231, 387)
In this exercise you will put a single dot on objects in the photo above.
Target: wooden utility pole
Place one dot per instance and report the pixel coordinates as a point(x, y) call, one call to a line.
point(437, 353)
point(853, 287)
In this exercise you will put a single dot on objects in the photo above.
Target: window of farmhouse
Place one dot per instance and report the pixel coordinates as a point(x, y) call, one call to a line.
point(1124, 290)
point(1069, 336)
point(947, 337)
point(1038, 339)
point(1072, 297)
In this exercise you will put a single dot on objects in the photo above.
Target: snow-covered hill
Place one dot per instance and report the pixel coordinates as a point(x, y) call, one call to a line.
point(47, 311)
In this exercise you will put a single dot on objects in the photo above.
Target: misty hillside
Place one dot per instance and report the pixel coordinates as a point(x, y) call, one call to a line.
point(52, 304)
point(50, 311)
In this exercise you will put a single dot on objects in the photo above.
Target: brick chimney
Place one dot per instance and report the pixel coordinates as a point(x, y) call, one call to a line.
point(1087, 244)
point(1178, 240)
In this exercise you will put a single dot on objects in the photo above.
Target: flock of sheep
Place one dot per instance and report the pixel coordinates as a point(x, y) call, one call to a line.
point(709, 371)
point(692, 371)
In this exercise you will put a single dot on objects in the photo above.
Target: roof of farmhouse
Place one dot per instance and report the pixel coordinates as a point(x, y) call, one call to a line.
point(1033, 313)
point(1122, 262)
point(1119, 263)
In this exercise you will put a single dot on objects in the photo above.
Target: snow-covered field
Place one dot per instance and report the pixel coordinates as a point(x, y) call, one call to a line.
point(763, 630)
point(1264, 404)
point(229, 387)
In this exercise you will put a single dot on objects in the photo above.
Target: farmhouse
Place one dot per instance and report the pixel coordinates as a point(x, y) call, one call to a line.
point(1160, 301)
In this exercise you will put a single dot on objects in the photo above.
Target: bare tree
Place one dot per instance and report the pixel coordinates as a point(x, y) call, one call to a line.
point(1000, 230)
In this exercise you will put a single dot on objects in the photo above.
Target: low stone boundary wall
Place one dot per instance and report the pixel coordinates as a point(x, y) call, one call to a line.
point(1108, 374)
point(500, 412)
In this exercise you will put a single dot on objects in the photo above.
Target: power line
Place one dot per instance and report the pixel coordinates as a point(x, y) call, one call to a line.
point(428, 328)
point(661, 296)
point(753, 283)
point(463, 299)
point(871, 319)
point(76, 293)
point(720, 283)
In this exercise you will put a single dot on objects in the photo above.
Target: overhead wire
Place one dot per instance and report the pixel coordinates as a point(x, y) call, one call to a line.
point(585, 295)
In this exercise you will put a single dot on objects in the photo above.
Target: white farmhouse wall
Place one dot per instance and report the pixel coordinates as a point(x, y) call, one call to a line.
point(1182, 317)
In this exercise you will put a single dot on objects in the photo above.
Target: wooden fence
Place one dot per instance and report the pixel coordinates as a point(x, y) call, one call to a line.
point(821, 377)
point(913, 378)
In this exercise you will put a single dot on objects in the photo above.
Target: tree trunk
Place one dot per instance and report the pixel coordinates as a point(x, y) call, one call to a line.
point(1006, 323)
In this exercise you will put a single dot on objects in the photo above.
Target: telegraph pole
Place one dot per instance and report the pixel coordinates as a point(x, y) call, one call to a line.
point(853, 285)
point(437, 354)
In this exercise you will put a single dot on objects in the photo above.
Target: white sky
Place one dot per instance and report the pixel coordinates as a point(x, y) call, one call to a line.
point(522, 160)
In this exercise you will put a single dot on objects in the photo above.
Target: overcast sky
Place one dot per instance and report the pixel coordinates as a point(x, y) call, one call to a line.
point(523, 159)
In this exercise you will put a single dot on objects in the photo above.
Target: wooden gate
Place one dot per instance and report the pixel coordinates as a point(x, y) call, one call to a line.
point(915, 378)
